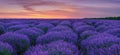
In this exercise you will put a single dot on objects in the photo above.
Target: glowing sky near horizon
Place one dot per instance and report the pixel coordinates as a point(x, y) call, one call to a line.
point(59, 8)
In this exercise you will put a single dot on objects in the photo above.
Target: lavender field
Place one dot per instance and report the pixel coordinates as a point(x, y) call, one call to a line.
point(59, 37)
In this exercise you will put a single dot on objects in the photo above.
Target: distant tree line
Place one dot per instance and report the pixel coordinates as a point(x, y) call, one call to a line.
point(109, 18)
point(113, 18)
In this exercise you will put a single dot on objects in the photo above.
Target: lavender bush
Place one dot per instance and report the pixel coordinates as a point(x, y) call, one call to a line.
point(16, 27)
point(60, 28)
point(115, 32)
point(6, 49)
point(55, 48)
point(31, 33)
point(104, 28)
point(18, 41)
point(86, 34)
point(65, 23)
point(40, 31)
point(45, 26)
point(77, 24)
point(8, 24)
point(54, 36)
point(83, 28)
point(102, 40)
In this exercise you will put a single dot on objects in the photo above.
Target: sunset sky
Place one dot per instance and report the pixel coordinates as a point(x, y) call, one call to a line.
point(59, 8)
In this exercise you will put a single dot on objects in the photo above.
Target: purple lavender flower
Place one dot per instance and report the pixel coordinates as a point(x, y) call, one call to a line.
point(6, 49)
point(60, 28)
point(31, 33)
point(104, 28)
point(2, 23)
point(65, 23)
point(54, 36)
point(105, 22)
point(18, 41)
point(87, 34)
point(115, 31)
point(77, 24)
point(90, 22)
point(54, 22)
point(101, 40)
point(83, 28)
point(45, 26)
point(112, 50)
point(13, 23)
point(37, 30)
point(55, 48)
point(37, 50)
point(16, 27)
point(62, 48)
